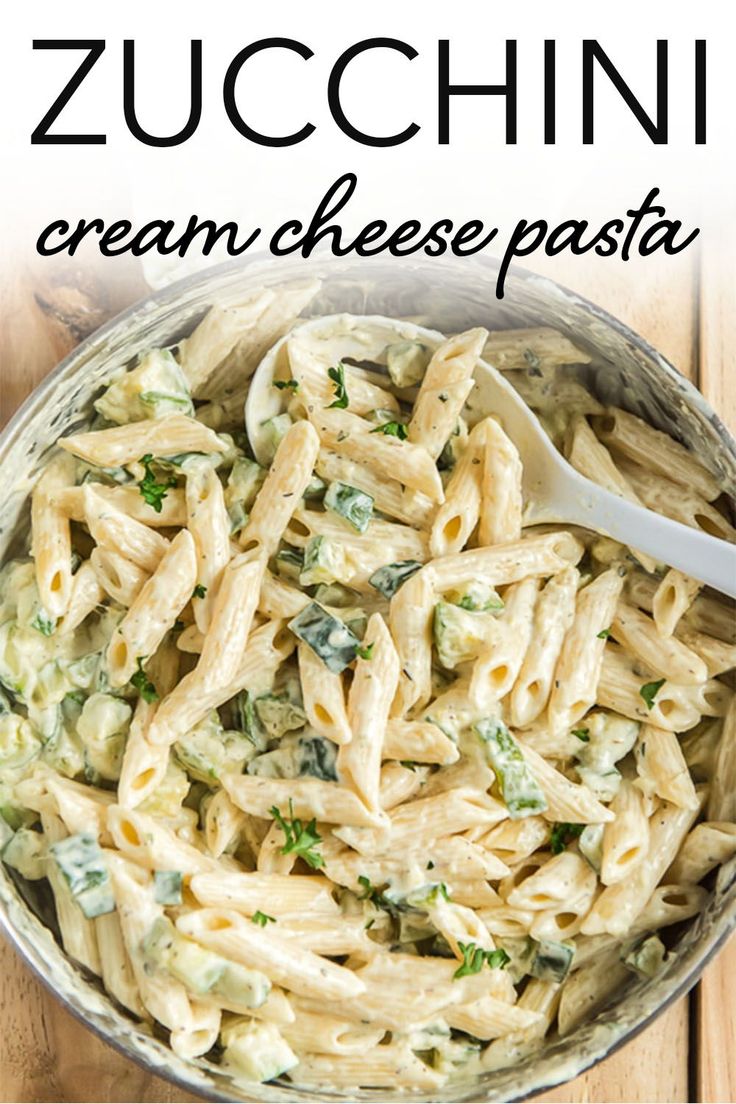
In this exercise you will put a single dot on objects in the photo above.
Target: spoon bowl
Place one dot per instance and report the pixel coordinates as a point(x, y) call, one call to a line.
point(553, 490)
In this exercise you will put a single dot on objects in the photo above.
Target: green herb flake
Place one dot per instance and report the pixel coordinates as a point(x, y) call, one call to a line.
point(367, 651)
point(603, 634)
point(392, 429)
point(475, 958)
point(199, 591)
point(262, 918)
point(650, 690)
point(301, 839)
point(408, 764)
point(141, 682)
point(337, 375)
point(152, 491)
point(583, 734)
point(563, 834)
point(43, 623)
point(284, 385)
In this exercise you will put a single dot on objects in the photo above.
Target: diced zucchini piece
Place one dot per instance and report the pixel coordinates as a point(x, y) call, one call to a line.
point(244, 482)
point(257, 1050)
point(315, 488)
point(19, 744)
point(248, 722)
point(521, 954)
point(647, 958)
point(387, 580)
point(82, 866)
point(12, 812)
point(239, 985)
point(356, 621)
point(476, 595)
point(197, 968)
point(407, 362)
point(324, 561)
point(290, 563)
point(460, 634)
point(519, 788)
point(274, 430)
point(102, 728)
point(26, 853)
point(327, 636)
point(157, 386)
point(318, 758)
point(238, 517)
point(209, 750)
point(610, 738)
point(355, 506)
point(297, 757)
point(552, 961)
point(278, 715)
point(590, 845)
point(167, 887)
point(336, 595)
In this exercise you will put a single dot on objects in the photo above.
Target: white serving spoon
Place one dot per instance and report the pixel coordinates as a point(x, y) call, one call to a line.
point(553, 490)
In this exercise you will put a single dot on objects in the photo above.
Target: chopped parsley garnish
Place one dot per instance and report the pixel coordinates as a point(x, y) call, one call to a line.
point(430, 865)
point(301, 839)
point(474, 958)
point(262, 918)
point(650, 690)
point(603, 634)
point(370, 893)
point(583, 734)
point(367, 652)
point(199, 591)
point(392, 429)
point(153, 492)
point(562, 834)
point(143, 684)
point(283, 385)
point(408, 764)
point(337, 375)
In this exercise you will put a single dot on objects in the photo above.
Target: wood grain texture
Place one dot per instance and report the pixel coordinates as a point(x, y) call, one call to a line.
point(49, 1056)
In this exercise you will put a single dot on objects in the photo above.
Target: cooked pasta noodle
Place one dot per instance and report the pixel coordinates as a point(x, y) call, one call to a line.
point(332, 759)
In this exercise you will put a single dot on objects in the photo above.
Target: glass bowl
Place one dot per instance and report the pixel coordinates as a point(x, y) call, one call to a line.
point(447, 296)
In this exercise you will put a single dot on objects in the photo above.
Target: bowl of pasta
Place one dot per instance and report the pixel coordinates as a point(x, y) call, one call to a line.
point(322, 773)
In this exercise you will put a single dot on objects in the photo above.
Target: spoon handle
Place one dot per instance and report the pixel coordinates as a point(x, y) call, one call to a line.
point(708, 559)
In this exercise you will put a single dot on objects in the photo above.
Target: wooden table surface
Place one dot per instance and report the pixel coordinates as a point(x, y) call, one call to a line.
point(685, 306)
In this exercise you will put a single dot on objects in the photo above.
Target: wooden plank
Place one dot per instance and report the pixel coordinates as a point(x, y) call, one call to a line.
point(714, 1003)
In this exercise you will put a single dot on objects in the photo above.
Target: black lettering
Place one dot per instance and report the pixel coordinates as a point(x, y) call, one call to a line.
point(468, 232)
point(446, 90)
point(317, 229)
point(550, 92)
point(42, 247)
point(518, 248)
point(335, 103)
point(701, 92)
point(95, 48)
point(664, 234)
point(213, 233)
point(605, 243)
point(637, 216)
point(593, 52)
point(228, 92)
point(195, 98)
point(115, 233)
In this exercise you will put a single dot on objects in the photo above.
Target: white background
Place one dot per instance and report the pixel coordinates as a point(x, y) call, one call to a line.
point(219, 174)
